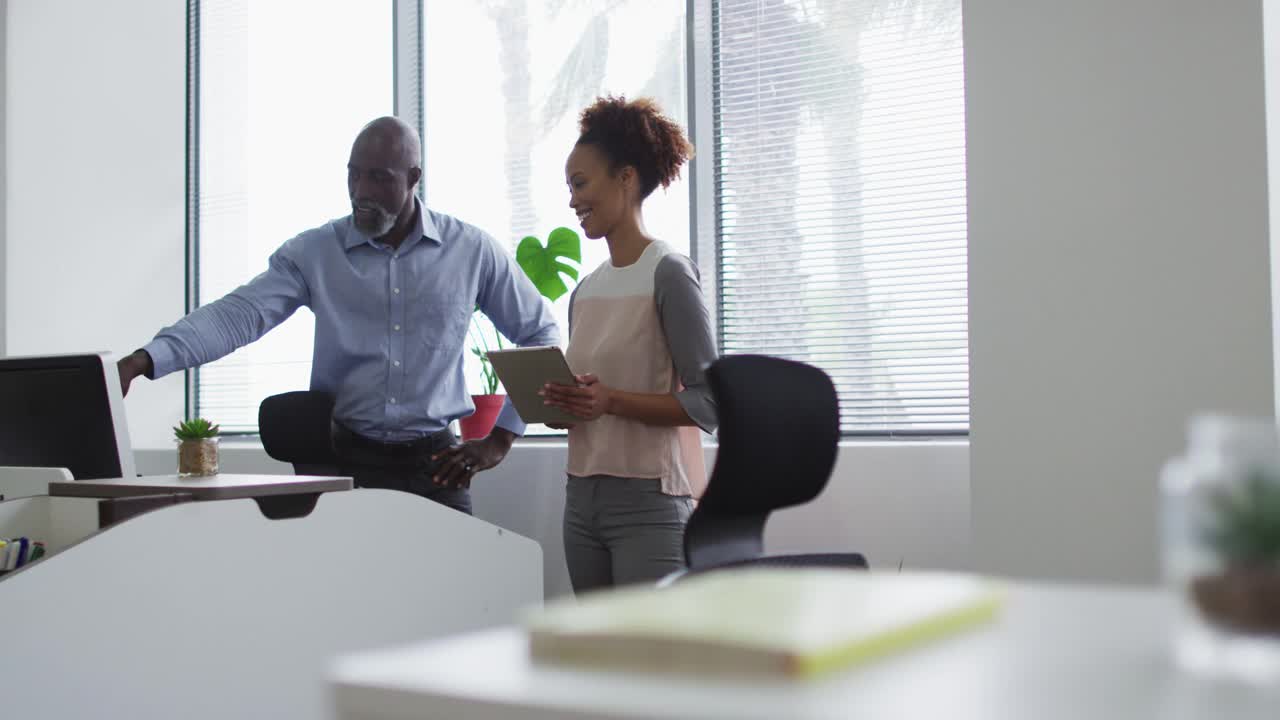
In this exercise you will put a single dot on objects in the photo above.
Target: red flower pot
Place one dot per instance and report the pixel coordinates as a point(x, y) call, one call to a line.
point(479, 423)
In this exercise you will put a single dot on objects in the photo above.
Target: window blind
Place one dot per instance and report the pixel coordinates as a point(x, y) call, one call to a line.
point(840, 200)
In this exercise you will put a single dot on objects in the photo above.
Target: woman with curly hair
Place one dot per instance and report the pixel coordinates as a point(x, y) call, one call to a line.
point(640, 339)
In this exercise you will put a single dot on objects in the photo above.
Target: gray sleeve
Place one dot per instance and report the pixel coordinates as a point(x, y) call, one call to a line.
point(686, 322)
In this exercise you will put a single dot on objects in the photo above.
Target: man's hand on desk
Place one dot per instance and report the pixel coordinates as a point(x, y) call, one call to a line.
point(460, 463)
point(131, 366)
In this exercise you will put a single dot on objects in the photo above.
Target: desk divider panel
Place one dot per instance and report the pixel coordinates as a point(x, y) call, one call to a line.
point(211, 610)
point(18, 482)
point(58, 522)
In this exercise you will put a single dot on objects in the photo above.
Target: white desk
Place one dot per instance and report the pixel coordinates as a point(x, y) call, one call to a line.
point(1054, 653)
point(211, 487)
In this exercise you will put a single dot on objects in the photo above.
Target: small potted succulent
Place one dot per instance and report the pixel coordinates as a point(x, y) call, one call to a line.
point(1220, 523)
point(1242, 529)
point(197, 447)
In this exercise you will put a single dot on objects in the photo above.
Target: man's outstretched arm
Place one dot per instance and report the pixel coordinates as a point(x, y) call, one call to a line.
point(221, 327)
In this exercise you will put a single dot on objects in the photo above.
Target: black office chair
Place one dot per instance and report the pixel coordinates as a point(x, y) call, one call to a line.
point(779, 433)
point(295, 429)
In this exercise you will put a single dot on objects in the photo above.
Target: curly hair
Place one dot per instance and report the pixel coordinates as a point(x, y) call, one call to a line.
point(636, 133)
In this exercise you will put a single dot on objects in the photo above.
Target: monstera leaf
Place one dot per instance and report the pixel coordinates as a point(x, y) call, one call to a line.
point(545, 265)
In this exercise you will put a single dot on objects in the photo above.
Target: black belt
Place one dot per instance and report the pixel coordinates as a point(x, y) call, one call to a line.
point(352, 446)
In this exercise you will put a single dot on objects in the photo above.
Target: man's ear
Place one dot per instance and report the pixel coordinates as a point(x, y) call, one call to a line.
point(415, 174)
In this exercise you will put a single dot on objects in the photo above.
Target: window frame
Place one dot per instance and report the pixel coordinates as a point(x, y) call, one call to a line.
point(409, 104)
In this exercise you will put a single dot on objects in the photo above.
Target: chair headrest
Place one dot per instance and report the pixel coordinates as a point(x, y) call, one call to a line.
point(295, 427)
point(779, 433)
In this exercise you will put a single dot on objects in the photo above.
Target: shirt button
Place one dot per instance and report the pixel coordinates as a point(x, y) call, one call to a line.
point(396, 363)
point(395, 290)
point(395, 327)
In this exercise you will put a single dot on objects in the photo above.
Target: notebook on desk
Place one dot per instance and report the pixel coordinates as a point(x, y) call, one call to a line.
point(772, 622)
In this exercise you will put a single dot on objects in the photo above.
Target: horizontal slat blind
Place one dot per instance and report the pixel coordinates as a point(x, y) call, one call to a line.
point(840, 195)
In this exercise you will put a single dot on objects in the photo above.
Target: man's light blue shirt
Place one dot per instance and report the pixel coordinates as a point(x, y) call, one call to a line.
point(391, 324)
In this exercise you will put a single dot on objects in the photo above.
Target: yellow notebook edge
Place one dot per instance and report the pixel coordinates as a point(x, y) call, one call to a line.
point(899, 639)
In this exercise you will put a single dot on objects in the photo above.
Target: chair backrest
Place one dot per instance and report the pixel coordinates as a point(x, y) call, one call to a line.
point(779, 435)
point(295, 428)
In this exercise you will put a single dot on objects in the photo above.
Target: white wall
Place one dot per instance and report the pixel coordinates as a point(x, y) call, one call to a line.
point(94, 138)
point(1118, 259)
point(4, 99)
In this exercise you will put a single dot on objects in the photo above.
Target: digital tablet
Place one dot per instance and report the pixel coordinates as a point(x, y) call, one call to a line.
point(524, 371)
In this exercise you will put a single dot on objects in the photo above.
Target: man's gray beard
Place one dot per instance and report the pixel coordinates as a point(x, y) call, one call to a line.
point(385, 223)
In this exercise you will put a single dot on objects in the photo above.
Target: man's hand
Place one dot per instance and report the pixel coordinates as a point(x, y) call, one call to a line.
point(131, 366)
point(589, 400)
point(460, 463)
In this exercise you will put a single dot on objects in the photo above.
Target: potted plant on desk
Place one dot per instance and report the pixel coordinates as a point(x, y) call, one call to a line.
point(544, 265)
point(197, 448)
point(1243, 532)
point(1220, 522)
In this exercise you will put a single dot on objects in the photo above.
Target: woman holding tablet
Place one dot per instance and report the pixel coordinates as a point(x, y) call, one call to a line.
point(640, 338)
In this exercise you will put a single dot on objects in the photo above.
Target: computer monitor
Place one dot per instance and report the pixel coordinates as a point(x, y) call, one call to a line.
point(65, 411)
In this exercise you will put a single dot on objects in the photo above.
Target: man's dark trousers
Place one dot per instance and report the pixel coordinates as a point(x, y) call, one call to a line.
point(405, 466)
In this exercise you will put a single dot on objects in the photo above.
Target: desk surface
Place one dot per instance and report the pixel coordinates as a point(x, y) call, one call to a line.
point(213, 487)
point(1054, 653)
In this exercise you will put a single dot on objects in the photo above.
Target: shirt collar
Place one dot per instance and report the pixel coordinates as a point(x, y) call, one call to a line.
point(423, 227)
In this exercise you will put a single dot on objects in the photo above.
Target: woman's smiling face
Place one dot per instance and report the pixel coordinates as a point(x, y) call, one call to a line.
point(598, 196)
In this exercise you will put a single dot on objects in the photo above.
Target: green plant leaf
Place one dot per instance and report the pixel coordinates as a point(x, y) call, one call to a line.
point(1244, 524)
point(195, 429)
point(544, 265)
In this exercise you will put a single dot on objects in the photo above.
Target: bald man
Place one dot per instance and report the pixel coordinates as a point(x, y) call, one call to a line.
point(392, 287)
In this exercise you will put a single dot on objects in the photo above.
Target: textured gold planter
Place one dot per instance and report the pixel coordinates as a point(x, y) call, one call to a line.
point(197, 458)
